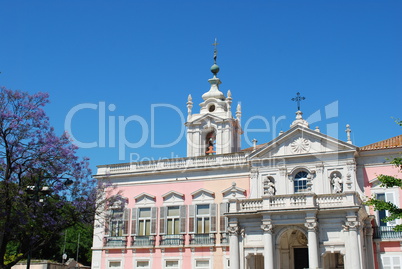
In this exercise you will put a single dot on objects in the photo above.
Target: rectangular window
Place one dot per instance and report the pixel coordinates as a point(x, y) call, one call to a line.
point(173, 220)
point(391, 262)
point(202, 219)
point(202, 264)
point(143, 264)
point(172, 264)
point(116, 223)
point(115, 264)
point(300, 185)
point(144, 221)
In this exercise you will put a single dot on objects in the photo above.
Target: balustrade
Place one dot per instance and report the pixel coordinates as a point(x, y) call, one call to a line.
point(172, 240)
point(115, 241)
point(251, 204)
point(214, 160)
point(202, 239)
point(386, 232)
point(299, 200)
point(143, 241)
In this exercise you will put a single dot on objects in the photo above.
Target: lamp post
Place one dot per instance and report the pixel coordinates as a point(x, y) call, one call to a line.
point(64, 256)
point(35, 191)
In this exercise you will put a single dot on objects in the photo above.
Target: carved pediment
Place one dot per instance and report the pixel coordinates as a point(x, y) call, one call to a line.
point(204, 119)
point(301, 141)
point(144, 199)
point(118, 201)
point(203, 195)
point(233, 192)
point(173, 197)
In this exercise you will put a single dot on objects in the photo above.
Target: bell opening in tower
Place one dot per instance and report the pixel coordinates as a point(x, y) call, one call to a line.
point(210, 143)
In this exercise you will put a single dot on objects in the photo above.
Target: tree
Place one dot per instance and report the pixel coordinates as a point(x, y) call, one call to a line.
point(388, 181)
point(85, 233)
point(37, 202)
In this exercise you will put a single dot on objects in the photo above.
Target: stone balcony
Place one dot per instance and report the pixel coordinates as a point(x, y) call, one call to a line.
point(387, 233)
point(172, 240)
point(207, 239)
point(237, 159)
point(115, 242)
point(143, 241)
point(295, 201)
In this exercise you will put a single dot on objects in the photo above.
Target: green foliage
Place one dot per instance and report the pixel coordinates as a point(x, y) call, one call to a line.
point(398, 121)
point(12, 253)
point(85, 234)
point(389, 182)
point(397, 162)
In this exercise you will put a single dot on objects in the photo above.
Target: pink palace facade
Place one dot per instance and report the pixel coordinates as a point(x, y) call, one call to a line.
point(294, 202)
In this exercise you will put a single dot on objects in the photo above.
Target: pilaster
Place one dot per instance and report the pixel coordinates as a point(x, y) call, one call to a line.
point(368, 232)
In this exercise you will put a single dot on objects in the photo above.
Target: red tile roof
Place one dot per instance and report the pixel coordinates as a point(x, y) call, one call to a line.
point(393, 142)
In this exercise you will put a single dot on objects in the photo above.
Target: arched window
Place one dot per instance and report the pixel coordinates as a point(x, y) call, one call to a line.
point(300, 182)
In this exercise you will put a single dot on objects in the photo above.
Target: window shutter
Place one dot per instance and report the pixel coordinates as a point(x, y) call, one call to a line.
point(153, 220)
point(107, 222)
point(223, 219)
point(134, 221)
point(389, 197)
point(191, 218)
point(386, 261)
point(126, 218)
point(396, 260)
point(183, 216)
point(162, 220)
point(212, 214)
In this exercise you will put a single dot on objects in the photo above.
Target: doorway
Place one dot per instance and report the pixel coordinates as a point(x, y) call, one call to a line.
point(300, 258)
point(255, 261)
point(292, 249)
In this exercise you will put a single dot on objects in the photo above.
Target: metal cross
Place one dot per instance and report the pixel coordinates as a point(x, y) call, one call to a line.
point(297, 99)
point(215, 44)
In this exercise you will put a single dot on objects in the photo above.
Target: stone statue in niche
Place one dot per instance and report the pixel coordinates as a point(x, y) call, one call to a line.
point(337, 183)
point(269, 186)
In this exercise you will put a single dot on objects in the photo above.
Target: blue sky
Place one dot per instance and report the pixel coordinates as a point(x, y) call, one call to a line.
point(345, 57)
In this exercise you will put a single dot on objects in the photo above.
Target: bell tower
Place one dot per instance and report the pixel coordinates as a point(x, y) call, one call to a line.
point(214, 130)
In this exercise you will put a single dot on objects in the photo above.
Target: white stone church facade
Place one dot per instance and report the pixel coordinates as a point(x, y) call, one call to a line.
point(295, 202)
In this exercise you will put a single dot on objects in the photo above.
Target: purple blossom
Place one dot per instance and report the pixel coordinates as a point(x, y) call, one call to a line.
point(32, 154)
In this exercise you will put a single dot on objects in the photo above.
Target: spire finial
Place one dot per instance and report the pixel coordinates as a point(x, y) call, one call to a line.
point(215, 44)
point(215, 67)
point(297, 99)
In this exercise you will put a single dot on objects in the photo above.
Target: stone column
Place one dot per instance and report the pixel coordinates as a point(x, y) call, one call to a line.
point(268, 244)
point(313, 258)
point(352, 226)
point(368, 231)
point(233, 231)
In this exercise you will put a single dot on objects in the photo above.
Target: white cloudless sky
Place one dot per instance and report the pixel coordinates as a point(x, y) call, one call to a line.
point(139, 59)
